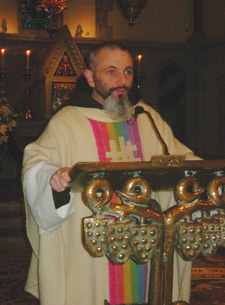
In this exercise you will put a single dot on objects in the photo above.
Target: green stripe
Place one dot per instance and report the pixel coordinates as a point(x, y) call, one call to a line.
point(118, 133)
point(134, 284)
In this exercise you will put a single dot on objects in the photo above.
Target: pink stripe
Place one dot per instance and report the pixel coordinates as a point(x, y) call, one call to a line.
point(116, 283)
point(119, 283)
point(137, 140)
point(145, 272)
point(99, 140)
point(105, 135)
point(112, 283)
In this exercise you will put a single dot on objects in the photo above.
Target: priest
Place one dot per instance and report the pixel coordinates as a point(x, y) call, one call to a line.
point(100, 125)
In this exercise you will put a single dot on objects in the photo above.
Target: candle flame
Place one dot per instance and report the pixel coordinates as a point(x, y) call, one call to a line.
point(139, 57)
point(2, 51)
point(28, 52)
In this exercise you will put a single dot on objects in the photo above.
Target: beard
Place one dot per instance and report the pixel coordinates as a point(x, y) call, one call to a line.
point(118, 108)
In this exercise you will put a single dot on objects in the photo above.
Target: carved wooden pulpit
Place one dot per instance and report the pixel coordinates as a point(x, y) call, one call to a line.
point(138, 229)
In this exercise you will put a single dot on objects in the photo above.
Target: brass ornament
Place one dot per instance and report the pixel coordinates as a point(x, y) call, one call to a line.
point(136, 213)
point(215, 190)
point(190, 239)
point(131, 9)
point(188, 190)
point(136, 228)
point(221, 218)
point(95, 235)
point(136, 190)
point(97, 194)
point(119, 249)
point(144, 242)
point(212, 229)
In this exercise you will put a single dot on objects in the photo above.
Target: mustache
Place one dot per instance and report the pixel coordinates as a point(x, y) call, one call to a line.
point(117, 88)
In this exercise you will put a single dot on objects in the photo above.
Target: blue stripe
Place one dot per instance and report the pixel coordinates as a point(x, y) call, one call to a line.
point(140, 279)
point(124, 131)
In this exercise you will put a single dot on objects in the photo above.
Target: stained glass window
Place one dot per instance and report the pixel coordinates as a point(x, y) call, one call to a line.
point(61, 93)
point(34, 16)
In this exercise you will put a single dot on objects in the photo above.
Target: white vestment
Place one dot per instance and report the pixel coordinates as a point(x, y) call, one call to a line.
point(62, 272)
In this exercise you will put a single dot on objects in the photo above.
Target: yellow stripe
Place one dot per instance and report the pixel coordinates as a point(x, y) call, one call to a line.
point(127, 282)
point(112, 134)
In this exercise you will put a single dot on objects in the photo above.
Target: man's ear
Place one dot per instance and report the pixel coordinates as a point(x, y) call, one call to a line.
point(89, 76)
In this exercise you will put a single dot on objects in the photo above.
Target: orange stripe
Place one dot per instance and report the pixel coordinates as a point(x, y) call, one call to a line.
point(112, 134)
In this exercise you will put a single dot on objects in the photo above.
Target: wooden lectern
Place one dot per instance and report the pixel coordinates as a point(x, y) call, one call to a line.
point(138, 229)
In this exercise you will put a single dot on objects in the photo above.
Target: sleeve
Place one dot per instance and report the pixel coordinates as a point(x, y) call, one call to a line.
point(40, 198)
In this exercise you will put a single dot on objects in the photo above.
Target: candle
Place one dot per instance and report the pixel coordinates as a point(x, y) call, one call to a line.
point(3, 54)
point(28, 59)
point(139, 63)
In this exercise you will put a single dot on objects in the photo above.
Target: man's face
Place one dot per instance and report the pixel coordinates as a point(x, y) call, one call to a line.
point(113, 75)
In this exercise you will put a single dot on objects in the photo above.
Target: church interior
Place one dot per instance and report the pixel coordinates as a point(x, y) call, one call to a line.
point(178, 47)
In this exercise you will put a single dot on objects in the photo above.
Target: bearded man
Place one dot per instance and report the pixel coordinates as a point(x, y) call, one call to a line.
point(101, 127)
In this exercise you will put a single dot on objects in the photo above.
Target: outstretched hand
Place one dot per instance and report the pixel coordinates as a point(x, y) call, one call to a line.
point(61, 180)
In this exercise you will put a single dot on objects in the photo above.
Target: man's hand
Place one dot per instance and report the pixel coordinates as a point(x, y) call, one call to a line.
point(61, 180)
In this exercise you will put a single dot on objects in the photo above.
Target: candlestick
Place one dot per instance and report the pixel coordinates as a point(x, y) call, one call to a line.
point(28, 114)
point(3, 54)
point(139, 63)
point(139, 71)
point(2, 74)
point(2, 86)
point(28, 59)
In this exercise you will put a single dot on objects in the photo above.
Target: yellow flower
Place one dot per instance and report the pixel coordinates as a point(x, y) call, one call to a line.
point(3, 129)
point(12, 124)
point(7, 122)
point(4, 139)
point(6, 111)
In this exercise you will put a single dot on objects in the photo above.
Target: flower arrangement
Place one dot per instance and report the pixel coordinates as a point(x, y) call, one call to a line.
point(7, 123)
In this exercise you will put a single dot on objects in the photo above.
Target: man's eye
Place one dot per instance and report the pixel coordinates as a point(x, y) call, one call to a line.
point(129, 72)
point(110, 72)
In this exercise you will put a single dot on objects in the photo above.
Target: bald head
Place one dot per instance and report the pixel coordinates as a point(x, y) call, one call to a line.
point(112, 46)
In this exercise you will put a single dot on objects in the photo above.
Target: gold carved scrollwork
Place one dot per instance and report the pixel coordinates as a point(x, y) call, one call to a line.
point(131, 228)
point(188, 190)
point(137, 190)
point(121, 230)
point(91, 195)
point(135, 227)
point(206, 233)
point(216, 191)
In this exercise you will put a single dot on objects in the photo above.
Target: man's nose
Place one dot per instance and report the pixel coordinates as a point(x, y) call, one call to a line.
point(121, 80)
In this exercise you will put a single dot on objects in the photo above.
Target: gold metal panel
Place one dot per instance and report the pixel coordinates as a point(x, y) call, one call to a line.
point(135, 227)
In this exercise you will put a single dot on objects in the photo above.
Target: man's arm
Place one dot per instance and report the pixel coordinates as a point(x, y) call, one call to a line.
point(49, 215)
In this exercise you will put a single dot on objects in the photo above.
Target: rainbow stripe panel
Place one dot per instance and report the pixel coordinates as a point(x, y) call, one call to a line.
point(118, 142)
